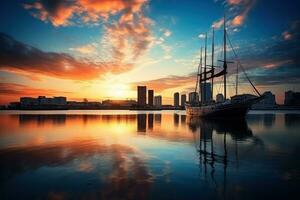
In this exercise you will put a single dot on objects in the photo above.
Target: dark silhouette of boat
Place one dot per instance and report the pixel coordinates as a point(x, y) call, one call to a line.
point(237, 106)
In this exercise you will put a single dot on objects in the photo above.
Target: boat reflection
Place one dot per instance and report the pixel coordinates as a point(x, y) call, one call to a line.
point(212, 157)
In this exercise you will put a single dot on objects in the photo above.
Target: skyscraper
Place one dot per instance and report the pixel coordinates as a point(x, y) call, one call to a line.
point(193, 97)
point(158, 101)
point(183, 100)
point(206, 89)
point(150, 97)
point(176, 99)
point(141, 95)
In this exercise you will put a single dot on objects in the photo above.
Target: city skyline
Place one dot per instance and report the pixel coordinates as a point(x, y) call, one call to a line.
point(103, 50)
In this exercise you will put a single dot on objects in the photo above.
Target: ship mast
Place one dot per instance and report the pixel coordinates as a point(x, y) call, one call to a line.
point(200, 81)
point(212, 63)
point(224, 61)
point(237, 78)
point(205, 73)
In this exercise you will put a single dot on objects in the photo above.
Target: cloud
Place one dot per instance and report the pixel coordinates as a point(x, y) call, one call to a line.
point(201, 35)
point(127, 30)
point(169, 82)
point(234, 2)
point(85, 49)
point(293, 31)
point(167, 33)
point(217, 24)
point(18, 57)
point(237, 13)
point(129, 39)
point(58, 12)
point(243, 8)
point(66, 12)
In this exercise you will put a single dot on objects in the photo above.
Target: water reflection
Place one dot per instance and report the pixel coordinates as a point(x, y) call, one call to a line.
point(148, 156)
point(211, 158)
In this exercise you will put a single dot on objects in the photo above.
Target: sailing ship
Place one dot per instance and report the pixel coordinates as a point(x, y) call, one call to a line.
point(237, 106)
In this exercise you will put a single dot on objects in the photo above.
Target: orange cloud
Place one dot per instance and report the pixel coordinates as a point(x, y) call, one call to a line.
point(234, 2)
point(169, 82)
point(244, 6)
point(127, 37)
point(21, 58)
point(217, 24)
point(237, 14)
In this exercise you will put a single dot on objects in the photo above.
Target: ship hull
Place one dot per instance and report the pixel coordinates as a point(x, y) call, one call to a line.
point(229, 110)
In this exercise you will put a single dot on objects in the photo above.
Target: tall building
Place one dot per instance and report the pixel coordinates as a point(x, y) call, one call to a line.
point(206, 89)
point(176, 99)
point(219, 98)
point(141, 95)
point(183, 100)
point(292, 98)
point(150, 97)
point(158, 101)
point(193, 97)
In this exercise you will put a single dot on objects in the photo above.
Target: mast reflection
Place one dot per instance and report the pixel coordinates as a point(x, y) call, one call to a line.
point(208, 156)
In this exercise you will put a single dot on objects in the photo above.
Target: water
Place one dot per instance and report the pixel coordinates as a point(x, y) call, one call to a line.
point(148, 155)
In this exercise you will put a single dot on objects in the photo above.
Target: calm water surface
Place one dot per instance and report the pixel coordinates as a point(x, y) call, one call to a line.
point(148, 155)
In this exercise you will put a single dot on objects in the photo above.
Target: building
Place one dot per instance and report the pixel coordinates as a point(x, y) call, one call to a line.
point(206, 90)
point(141, 95)
point(193, 97)
point(219, 98)
point(43, 101)
point(292, 98)
point(29, 101)
point(157, 101)
point(267, 102)
point(176, 99)
point(150, 97)
point(60, 100)
point(183, 100)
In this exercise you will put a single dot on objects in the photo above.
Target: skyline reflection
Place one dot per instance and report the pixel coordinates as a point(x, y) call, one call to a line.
point(147, 155)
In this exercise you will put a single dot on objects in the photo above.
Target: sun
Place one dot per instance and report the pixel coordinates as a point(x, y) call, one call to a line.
point(119, 91)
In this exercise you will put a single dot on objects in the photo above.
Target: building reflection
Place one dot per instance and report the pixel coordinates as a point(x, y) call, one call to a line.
point(183, 119)
point(176, 119)
point(157, 118)
point(141, 122)
point(291, 120)
point(61, 119)
point(269, 120)
point(41, 120)
point(150, 121)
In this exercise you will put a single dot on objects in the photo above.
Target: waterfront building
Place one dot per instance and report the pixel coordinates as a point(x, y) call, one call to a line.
point(206, 89)
point(292, 98)
point(43, 101)
point(150, 97)
point(193, 97)
point(141, 95)
point(158, 101)
point(176, 99)
point(183, 100)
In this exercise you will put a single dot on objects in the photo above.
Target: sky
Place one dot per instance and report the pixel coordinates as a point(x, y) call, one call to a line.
point(103, 49)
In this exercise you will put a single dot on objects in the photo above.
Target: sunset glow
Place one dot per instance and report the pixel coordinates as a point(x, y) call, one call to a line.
point(103, 49)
